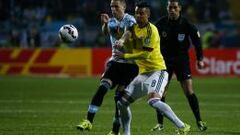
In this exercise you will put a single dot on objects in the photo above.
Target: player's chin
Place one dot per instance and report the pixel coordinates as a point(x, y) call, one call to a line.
point(114, 14)
point(139, 21)
point(172, 16)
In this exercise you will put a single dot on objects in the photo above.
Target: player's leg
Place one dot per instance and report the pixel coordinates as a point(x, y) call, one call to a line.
point(183, 74)
point(131, 94)
point(193, 102)
point(127, 72)
point(116, 119)
point(105, 84)
point(155, 85)
point(125, 115)
point(165, 109)
point(159, 126)
point(96, 102)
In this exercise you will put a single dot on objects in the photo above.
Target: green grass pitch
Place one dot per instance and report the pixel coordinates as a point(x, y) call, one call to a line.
point(53, 106)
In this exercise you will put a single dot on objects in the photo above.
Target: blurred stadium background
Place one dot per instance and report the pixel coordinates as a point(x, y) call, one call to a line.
point(46, 85)
point(30, 23)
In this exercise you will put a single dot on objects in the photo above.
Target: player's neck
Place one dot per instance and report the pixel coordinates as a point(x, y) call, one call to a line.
point(174, 18)
point(120, 17)
point(142, 25)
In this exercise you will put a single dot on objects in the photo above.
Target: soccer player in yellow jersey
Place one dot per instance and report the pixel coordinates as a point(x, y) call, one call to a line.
point(152, 77)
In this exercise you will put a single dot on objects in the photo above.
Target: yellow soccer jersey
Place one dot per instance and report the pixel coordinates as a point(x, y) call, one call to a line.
point(147, 44)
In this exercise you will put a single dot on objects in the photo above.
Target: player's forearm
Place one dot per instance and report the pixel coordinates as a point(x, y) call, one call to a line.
point(105, 29)
point(126, 36)
point(198, 46)
point(135, 56)
point(198, 50)
point(199, 53)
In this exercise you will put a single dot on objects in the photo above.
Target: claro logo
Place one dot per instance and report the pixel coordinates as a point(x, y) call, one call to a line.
point(221, 67)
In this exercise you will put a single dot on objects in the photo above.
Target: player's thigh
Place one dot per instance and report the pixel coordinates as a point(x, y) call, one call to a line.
point(170, 69)
point(182, 70)
point(110, 73)
point(156, 82)
point(127, 72)
point(135, 89)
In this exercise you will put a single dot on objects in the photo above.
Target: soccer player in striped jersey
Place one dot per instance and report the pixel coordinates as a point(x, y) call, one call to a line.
point(119, 71)
point(152, 77)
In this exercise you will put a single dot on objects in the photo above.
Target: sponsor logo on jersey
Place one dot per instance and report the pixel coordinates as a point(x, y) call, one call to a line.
point(164, 34)
point(181, 37)
point(146, 41)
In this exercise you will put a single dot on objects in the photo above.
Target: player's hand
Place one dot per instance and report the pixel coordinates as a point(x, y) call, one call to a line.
point(104, 18)
point(118, 43)
point(200, 64)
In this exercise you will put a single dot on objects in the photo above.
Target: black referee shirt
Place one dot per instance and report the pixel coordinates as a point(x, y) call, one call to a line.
point(177, 36)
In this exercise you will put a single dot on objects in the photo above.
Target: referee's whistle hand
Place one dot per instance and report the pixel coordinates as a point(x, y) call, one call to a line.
point(200, 64)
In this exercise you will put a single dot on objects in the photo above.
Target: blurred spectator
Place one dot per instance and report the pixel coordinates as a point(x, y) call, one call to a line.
point(33, 37)
point(216, 39)
point(47, 16)
point(207, 38)
point(212, 39)
point(102, 40)
point(15, 38)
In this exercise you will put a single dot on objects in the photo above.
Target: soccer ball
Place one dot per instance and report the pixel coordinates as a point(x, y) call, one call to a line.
point(68, 33)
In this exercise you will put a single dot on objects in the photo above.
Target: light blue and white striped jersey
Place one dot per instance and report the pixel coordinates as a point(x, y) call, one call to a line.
point(117, 29)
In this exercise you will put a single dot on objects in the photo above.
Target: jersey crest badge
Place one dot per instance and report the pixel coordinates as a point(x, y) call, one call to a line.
point(146, 41)
point(181, 37)
point(164, 34)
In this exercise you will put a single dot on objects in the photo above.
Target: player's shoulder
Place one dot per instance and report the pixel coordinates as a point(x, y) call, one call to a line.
point(153, 27)
point(128, 20)
point(184, 20)
point(187, 23)
point(128, 17)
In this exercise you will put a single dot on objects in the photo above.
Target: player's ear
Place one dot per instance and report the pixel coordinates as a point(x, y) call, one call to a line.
point(148, 12)
point(180, 7)
point(124, 6)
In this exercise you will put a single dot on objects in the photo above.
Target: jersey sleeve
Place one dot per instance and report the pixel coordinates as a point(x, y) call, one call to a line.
point(130, 21)
point(196, 40)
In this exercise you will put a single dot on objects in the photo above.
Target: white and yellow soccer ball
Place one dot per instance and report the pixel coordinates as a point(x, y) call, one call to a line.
point(68, 33)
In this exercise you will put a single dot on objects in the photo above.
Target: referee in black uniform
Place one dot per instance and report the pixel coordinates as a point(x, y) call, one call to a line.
point(177, 34)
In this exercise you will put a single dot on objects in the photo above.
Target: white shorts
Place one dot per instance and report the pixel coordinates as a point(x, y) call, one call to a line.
point(144, 84)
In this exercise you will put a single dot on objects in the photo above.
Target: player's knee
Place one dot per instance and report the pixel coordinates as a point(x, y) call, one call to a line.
point(122, 103)
point(117, 98)
point(106, 83)
point(118, 95)
point(153, 101)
